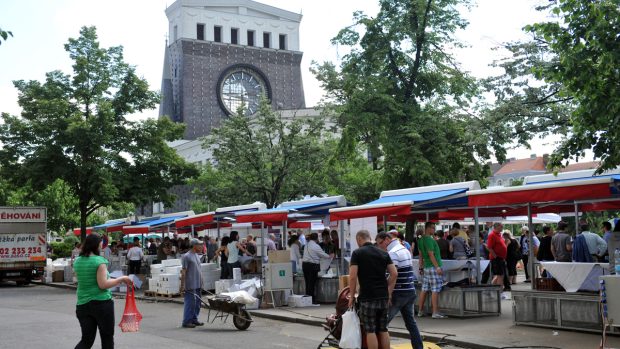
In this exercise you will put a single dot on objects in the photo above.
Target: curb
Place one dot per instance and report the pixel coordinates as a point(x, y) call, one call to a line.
point(398, 333)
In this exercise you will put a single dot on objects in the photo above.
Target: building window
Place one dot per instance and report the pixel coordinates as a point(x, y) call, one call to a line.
point(499, 183)
point(200, 31)
point(217, 34)
point(250, 38)
point(266, 40)
point(234, 36)
point(282, 41)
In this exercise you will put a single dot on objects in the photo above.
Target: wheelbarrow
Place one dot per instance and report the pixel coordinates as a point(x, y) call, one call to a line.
point(221, 307)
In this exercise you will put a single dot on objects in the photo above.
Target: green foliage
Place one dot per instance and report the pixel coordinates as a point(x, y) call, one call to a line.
point(74, 128)
point(516, 182)
point(71, 239)
point(402, 95)
point(61, 249)
point(352, 176)
point(58, 197)
point(565, 81)
point(4, 34)
point(263, 158)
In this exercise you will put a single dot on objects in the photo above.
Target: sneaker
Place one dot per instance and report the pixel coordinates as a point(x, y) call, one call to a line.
point(439, 316)
point(198, 323)
point(421, 314)
point(189, 325)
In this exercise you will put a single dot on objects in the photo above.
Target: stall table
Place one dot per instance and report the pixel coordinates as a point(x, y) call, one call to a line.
point(326, 288)
point(453, 268)
point(574, 276)
point(468, 301)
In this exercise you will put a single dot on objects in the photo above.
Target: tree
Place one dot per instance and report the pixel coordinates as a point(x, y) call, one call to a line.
point(264, 157)
point(75, 128)
point(57, 197)
point(401, 94)
point(4, 34)
point(351, 175)
point(566, 81)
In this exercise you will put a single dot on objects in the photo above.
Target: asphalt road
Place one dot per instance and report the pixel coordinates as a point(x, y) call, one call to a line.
point(37, 316)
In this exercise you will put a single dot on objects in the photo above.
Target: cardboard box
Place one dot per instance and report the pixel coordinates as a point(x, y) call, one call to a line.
point(343, 282)
point(283, 256)
point(58, 276)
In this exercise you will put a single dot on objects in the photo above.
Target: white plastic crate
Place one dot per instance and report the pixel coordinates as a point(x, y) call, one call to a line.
point(173, 270)
point(171, 262)
point(208, 266)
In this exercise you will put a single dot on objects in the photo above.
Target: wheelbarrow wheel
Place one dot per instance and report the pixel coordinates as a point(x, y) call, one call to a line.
point(241, 323)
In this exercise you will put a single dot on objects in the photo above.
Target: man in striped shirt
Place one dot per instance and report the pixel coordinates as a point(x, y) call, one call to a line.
point(403, 296)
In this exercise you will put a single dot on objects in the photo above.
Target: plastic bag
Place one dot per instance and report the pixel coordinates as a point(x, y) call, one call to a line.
point(242, 297)
point(130, 321)
point(351, 337)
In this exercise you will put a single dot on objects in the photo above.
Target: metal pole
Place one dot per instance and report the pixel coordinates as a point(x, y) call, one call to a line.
point(530, 245)
point(284, 234)
point(262, 241)
point(385, 225)
point(427, 216)
point(342, 247)
point(477, 246)
point(218, 231)
point(576, 219)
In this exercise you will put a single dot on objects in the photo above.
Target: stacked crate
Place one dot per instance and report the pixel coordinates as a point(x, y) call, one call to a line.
point(210, 274)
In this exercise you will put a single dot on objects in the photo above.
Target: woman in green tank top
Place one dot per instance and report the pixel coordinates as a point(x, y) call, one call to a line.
point(95, 307)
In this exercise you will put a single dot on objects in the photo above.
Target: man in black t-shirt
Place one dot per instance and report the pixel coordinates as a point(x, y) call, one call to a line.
point(371, 264)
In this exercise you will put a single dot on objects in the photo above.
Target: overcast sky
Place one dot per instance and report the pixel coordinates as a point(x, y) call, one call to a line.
point(42, 27)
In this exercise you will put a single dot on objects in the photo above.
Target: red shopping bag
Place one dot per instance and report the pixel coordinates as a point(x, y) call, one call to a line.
point(131, 316)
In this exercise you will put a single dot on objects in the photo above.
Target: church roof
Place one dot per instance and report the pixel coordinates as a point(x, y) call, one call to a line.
point(249, 4)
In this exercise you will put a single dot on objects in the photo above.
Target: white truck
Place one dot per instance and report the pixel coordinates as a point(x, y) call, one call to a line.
point(23, 243)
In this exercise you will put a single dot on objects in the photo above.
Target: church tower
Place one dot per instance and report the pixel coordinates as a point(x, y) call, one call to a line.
point(224, 54)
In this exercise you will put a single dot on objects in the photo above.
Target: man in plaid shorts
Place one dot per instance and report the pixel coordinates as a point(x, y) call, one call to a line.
point(371, 264)
point(430, 269)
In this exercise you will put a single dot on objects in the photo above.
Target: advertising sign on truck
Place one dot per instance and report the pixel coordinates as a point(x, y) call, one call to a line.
point(23, 245)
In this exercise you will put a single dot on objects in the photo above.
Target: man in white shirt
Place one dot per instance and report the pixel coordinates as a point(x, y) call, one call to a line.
point(135, 256)
point(597, 246)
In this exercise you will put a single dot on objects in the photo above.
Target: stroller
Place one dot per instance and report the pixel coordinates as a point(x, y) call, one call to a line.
point(333, 322)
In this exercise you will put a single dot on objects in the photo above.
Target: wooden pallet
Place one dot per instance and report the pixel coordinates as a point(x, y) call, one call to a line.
point(166, 295)
point(150, 293)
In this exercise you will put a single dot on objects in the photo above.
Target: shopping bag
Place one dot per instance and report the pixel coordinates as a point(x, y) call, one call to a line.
point(130, 321)
point(351, 337)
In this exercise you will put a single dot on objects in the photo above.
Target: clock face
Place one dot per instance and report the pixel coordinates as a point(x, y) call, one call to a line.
point(242, 86)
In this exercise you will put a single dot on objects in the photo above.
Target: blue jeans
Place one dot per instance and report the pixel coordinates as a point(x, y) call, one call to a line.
point(191, 306)
point(403, 302)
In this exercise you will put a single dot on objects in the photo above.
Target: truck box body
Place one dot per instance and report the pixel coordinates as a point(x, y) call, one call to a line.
point(23, 243)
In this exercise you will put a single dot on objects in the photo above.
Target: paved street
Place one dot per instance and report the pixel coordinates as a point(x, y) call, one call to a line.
point(43, 317)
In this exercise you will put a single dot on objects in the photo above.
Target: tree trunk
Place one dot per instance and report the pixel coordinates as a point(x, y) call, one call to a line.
point(83, 216)
point(410, 229)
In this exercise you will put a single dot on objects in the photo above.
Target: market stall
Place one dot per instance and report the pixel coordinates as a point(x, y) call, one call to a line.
point(293, 212)
point(426, 203)
point(549, 308)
